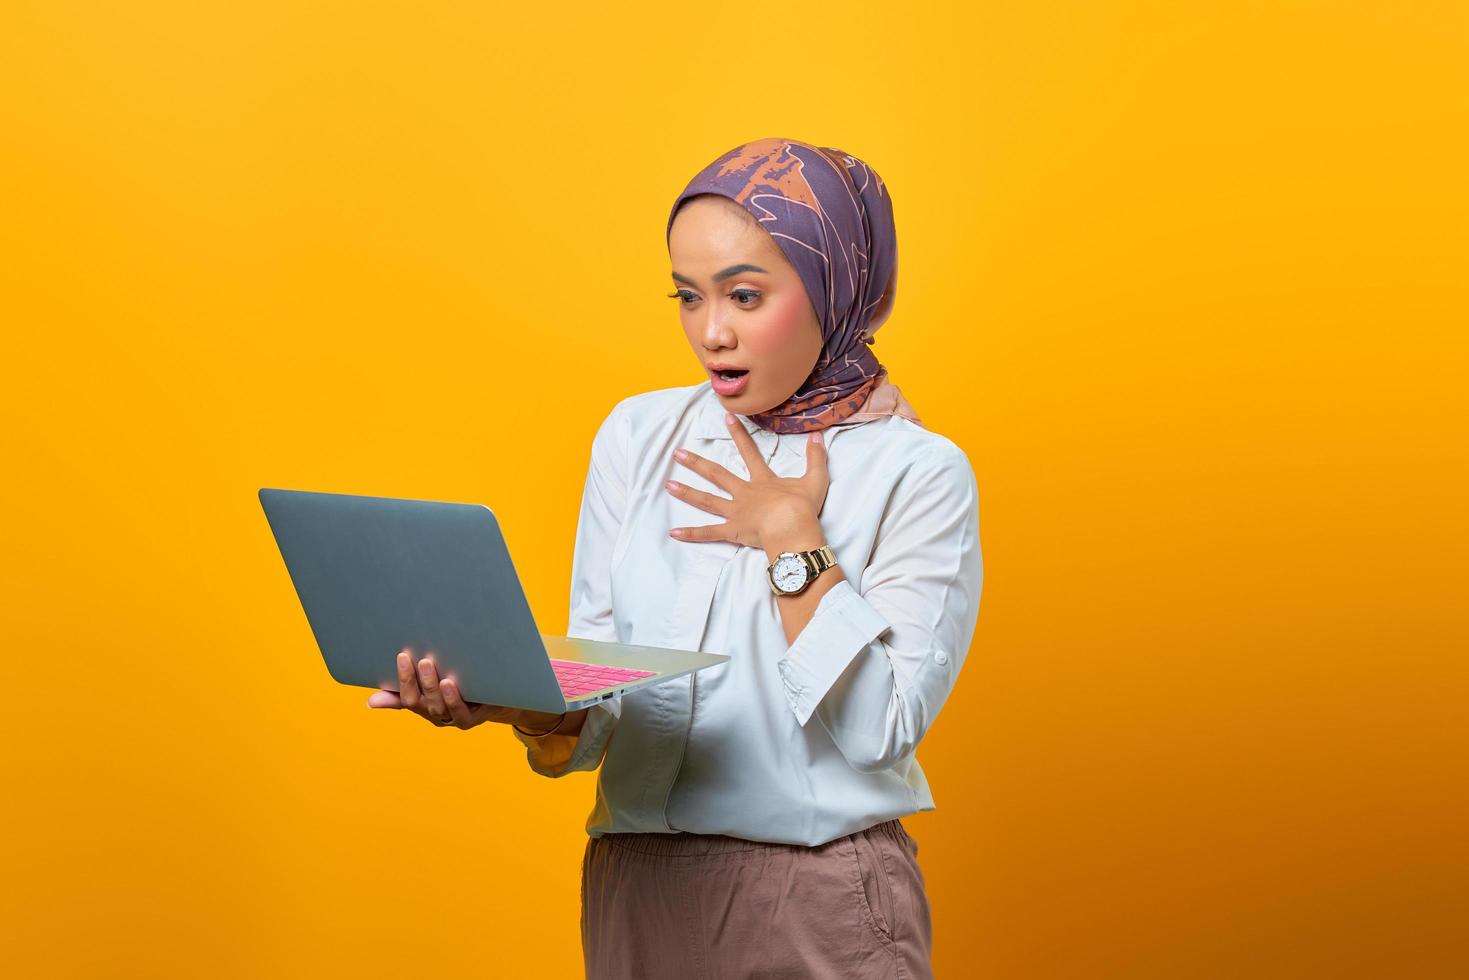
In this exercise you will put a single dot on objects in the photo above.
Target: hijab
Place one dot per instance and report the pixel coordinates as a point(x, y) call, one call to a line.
point(831, 215)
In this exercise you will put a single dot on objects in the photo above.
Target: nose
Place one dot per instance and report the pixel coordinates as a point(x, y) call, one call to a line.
point(717, 331)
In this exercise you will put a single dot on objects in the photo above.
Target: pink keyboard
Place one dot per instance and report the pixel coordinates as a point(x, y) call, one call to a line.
point(577, 678)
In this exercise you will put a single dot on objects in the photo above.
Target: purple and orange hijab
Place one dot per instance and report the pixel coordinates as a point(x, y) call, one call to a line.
point(832, 217)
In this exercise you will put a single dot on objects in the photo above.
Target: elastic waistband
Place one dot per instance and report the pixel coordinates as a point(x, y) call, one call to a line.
point(683, 844)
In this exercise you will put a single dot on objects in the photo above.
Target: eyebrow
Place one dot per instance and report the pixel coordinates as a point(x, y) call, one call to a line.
point(722, 274)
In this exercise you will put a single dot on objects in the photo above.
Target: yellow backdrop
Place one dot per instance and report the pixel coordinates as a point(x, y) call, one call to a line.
point(1186, 281)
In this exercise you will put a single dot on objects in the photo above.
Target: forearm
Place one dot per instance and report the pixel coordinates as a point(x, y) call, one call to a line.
point(578, 745)
point(801, 534)
point(531, 722)
point(876, 666)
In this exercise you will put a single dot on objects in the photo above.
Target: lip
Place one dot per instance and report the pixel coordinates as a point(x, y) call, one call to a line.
point(727, 388)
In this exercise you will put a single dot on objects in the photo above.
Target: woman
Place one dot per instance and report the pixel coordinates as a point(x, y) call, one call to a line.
point(747, 817)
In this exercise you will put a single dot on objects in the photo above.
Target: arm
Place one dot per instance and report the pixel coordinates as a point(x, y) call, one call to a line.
point(803, 534)
point(875, 667)
point(581, 740)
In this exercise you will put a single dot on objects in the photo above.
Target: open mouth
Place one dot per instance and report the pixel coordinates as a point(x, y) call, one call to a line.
point(729, 383)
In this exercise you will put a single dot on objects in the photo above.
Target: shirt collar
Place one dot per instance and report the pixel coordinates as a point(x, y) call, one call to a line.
point(710, 425)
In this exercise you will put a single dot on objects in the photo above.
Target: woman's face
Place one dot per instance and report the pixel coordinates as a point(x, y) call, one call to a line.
point(742, 303)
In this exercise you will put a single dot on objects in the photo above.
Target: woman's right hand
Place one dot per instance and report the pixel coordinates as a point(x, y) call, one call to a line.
point(422, 692)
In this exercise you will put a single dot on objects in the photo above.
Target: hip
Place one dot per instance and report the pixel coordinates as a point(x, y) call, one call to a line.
point(692, 905)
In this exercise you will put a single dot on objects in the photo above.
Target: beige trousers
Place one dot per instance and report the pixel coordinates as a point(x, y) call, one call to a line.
point(708, 907)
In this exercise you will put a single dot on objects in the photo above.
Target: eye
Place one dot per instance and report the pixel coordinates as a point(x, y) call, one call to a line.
point(751, 294)
point(684, 295)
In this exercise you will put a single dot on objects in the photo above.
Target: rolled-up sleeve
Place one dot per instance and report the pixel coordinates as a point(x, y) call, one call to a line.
point(556, 755)
point(876, 666)
point(602, 507)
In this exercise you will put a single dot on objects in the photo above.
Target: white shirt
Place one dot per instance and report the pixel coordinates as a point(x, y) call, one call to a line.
point(795, 743)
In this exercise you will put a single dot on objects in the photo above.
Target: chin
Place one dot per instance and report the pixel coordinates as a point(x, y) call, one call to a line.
point(748, 402)
point(742, 403)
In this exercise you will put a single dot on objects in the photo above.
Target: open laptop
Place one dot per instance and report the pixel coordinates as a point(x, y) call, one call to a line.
point(378, 574)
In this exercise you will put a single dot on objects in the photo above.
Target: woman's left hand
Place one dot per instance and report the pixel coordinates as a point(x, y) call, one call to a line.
point(761, 507)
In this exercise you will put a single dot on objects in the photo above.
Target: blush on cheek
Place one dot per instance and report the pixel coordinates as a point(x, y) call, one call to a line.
point(778, 331)
point(782, 344)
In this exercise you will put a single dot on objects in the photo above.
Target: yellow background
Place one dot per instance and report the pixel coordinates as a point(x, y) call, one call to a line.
point(1186, 281)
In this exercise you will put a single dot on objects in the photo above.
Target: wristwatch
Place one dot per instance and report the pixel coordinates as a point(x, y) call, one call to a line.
point(793, 571)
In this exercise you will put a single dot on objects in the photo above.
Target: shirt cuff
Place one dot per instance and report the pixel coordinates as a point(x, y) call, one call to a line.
point(556, 755)
point(842, 626)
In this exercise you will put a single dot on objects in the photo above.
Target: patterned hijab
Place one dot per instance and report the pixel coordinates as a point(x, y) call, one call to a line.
point(832, 217)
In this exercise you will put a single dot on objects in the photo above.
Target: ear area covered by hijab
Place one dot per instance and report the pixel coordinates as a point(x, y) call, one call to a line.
point(831, 216)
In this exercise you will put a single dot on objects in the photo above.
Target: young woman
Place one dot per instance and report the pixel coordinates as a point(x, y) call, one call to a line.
point(789, 511)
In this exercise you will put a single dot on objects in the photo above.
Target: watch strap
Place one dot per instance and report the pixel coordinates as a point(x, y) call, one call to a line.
point(819, 560)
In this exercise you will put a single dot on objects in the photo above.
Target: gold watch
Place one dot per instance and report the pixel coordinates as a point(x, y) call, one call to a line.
point(793, 571)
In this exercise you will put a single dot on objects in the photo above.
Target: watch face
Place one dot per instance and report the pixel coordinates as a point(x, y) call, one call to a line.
point(789, 573)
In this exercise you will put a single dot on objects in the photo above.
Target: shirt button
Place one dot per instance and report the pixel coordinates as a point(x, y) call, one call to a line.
point(941, 658)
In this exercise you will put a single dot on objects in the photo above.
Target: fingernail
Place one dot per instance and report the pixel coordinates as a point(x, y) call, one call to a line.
point(816, 436)
point(729, 418)
point(679, 454)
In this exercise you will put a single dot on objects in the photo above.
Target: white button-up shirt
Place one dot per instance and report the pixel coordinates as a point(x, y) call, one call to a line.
point(795, 743)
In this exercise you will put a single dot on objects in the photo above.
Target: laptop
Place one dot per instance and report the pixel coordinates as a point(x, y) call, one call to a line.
point(378, 574)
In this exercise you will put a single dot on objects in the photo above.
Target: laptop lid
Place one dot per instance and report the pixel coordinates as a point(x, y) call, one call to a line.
point(377, 574)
